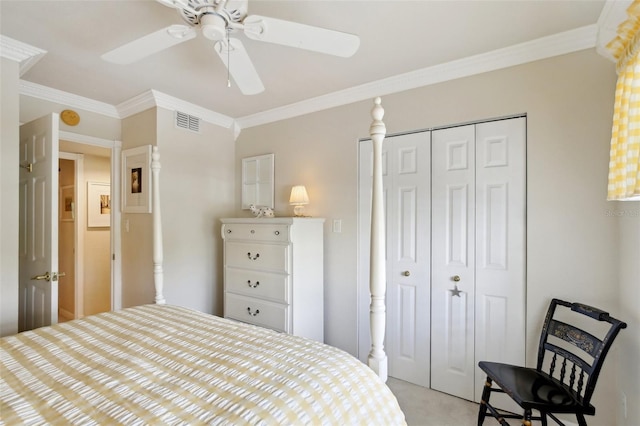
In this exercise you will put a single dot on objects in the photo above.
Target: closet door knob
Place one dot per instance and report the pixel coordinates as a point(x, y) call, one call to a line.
point(406, 273)
point(456, 278)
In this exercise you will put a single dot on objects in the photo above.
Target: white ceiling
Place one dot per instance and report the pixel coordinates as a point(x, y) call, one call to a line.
point(396, 37)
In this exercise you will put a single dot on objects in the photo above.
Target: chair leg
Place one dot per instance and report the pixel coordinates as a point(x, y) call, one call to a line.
point(543, 418)
point(581, 420)
point(486, 393)
point(526, 419)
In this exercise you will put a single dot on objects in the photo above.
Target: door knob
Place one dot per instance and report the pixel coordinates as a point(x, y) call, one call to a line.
point(45, 277)
point(406, 273)
point(456, 278)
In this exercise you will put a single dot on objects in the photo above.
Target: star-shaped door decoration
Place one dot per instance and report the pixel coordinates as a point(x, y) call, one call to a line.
point(455, 291)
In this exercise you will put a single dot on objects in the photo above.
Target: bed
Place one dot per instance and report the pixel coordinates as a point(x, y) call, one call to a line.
point(163, 364)
point(169, 365)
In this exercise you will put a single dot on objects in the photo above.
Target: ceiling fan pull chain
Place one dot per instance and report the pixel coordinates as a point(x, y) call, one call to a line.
point(228, 58)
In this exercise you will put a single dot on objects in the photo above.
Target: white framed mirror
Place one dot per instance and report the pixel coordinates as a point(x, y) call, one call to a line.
point(258, 181)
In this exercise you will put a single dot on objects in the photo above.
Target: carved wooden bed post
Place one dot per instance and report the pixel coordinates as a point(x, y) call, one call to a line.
point(157, 228)
point(377, 283)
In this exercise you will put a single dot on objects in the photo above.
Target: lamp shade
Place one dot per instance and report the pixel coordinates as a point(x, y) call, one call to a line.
point(299, 196)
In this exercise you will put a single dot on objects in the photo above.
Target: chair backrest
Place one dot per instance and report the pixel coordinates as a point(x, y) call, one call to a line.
point(572, 355)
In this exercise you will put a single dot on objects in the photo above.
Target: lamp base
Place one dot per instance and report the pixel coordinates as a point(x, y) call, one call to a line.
point(298, 211)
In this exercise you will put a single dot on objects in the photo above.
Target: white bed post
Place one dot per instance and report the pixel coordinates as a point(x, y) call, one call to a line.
point(377, 283)
point(158, 279)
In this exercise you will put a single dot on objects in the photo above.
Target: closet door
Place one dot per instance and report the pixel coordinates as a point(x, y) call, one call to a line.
point(406, 185)
point(453, 261)
point(478, 252)
point(501, 244)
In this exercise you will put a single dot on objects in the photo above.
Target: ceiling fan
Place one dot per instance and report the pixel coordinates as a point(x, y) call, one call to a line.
point(218, 20)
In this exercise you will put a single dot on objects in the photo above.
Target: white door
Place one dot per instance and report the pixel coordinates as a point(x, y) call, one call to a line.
point(453, 261)
point(38, 223)
point(501, 244)
point(406, 185)
point(478, 252)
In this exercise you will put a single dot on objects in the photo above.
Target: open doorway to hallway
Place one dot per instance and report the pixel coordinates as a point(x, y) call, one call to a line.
point(84, 236)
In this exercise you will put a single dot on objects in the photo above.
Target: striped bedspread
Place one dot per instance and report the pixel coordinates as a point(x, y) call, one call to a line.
point(166, 365)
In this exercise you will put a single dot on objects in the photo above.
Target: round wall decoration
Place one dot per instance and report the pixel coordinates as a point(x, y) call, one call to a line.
point(70, 117)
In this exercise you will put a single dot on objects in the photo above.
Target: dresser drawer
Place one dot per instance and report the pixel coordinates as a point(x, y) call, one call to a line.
point(272, 257)
point(256, 232)
point(256, 311)
point(264, 285)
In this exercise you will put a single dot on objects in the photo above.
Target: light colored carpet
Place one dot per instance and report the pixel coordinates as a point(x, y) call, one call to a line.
point(426, 407)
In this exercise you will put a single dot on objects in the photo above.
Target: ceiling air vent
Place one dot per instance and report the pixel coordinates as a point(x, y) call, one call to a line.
point(186, 121)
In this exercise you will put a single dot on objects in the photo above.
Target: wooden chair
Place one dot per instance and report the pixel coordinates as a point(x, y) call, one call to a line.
point(569, 362)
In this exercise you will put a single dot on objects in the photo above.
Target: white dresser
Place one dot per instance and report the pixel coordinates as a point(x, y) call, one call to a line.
point(273, 273)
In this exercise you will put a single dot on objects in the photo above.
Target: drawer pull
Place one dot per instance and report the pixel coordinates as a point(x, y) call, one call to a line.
point(228, 231)
point(277, 232)
point(253, 314)
point(253, 285)
point(253, 257)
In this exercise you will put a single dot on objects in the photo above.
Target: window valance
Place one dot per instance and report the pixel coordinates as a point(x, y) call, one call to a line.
point(624, 170)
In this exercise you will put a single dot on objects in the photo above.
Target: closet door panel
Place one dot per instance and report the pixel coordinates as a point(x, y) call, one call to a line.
point(408, 219)
point(453, 261)
point(501, 229)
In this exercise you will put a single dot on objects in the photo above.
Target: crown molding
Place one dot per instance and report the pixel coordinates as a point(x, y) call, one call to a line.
point(153, 98)
point(18, 51)
point(139, 103)
point(144, 101)
point(175, 104)
point(545, 47)
point(38, 91)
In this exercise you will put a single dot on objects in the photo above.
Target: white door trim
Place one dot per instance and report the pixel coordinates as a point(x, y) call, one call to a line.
point(116, 258)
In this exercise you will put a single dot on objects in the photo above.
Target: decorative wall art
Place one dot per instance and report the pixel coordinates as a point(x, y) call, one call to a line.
point(136, 180)
point(98, 204)
point(258, 181)
point(67, 203)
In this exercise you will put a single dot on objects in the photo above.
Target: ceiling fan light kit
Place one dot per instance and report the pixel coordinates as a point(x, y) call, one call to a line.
point(217, 19)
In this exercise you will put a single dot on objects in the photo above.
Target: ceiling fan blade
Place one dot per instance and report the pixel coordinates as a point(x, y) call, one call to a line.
point(150, 44)
point(302, 36)
point(235, 58)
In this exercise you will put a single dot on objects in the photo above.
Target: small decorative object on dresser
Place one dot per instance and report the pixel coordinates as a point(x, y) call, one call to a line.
point(261, 211)
point(273, 273)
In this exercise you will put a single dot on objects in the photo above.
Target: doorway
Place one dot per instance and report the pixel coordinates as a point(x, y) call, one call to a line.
point(84, 235)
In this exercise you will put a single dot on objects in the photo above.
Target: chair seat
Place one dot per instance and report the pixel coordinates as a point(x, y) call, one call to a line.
point(532, 389)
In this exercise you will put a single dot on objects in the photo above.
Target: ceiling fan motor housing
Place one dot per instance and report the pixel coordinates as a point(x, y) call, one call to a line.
point(214, 26)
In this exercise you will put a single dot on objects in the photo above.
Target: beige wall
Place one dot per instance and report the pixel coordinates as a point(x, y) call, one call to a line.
point(97, 245)
point(572, 243)
point(9, 148)
point(136, 243)
point(627, 214)
point(197, 169)
point(91, 123)
point(196, 190)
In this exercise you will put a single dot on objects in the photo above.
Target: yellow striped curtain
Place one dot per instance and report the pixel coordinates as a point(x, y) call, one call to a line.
point(624, 170)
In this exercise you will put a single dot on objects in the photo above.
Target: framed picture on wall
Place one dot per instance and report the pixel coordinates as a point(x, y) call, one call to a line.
point(136, 180)
point(67, 203)
point(258, 181)
point(98, 204)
